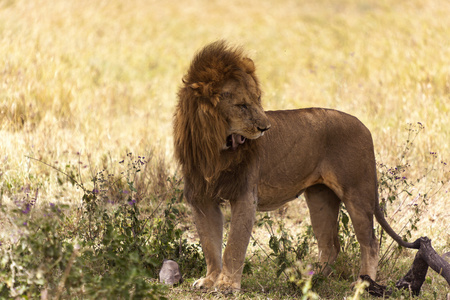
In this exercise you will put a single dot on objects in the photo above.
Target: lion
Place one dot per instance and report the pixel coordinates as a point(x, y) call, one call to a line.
point(230, 149)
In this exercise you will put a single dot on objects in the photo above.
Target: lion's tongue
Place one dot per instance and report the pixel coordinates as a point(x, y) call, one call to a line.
point(236, 140)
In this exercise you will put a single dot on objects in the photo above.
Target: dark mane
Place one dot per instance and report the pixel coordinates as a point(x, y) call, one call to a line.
point(215, 63)
point(200, 130)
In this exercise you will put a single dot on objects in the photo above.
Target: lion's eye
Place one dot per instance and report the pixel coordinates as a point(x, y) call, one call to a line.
point(243, 106)
point(226, 95)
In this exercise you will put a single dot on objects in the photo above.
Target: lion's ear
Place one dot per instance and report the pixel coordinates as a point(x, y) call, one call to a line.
point(205, 90)
point(201, 89)
point(249, 65)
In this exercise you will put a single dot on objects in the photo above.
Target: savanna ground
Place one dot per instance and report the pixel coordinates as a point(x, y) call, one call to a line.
point(86, 83)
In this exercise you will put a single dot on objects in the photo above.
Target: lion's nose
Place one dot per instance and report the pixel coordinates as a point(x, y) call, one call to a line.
point(262, 129)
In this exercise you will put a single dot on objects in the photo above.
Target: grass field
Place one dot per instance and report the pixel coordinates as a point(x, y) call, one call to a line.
point(82, 83)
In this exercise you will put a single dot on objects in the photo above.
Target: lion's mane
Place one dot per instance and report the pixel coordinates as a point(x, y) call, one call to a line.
point(200, 130)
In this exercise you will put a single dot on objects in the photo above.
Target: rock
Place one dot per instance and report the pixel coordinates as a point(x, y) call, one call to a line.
point(170, 273)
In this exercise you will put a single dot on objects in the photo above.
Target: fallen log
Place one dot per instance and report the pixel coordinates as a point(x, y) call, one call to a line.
point(415, 277)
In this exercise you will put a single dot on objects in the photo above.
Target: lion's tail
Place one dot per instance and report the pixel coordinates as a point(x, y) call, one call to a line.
point(383, 222)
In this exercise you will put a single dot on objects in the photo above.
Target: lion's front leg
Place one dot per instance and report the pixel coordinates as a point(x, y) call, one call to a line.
point(209, 222)
point(243, 212)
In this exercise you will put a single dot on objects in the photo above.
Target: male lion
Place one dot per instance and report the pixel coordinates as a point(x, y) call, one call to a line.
point(227, 152)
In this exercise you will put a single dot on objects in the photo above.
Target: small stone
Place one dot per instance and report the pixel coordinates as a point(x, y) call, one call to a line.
point(170, 273)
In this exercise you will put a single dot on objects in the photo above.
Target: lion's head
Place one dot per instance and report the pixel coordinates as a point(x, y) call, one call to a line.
point(219, 112)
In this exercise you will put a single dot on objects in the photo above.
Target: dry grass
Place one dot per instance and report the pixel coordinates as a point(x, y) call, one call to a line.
point(99, 78)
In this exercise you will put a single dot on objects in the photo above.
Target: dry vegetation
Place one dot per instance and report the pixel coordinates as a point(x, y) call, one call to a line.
point(84, 82)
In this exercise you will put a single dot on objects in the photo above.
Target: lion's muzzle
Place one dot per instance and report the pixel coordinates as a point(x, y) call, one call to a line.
point(234, 140)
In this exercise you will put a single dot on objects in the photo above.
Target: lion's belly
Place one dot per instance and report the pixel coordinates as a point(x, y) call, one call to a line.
point(273, 200)
point(274, 194)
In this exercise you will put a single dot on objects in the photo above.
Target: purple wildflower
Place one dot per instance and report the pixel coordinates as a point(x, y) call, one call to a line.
point(27, 209)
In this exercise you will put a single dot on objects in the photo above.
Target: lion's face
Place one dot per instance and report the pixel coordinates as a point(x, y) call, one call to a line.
point(219, 111)
point(240, 106)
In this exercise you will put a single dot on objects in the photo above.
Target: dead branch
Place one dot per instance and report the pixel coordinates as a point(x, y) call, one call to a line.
point(415, 277)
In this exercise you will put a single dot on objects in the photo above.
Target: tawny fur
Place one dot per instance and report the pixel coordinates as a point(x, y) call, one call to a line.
point(221, 145)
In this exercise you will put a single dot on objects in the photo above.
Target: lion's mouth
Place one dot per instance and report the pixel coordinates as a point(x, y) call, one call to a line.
point(234, 140)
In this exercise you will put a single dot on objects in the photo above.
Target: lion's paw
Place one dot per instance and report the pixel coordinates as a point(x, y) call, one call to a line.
point(203, 283)
point(226, 284)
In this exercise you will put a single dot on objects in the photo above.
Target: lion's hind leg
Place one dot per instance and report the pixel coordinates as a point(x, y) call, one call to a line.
point(361, 214)
point(323, 207)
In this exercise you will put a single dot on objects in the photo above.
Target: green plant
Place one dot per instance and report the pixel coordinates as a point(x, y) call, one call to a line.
point(167, 237)
point(285, 249)
point(347, 236)
point(116, 250)
point(124, 241)
point(106, 248)
point(38, 259)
